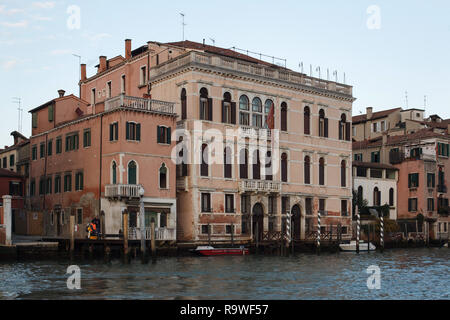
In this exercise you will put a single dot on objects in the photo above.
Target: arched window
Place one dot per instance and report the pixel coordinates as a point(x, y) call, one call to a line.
point(163, 176)
point(360, 196)
point(257, 113)
point(132, 173)
point(307, 120)
point(284, 168)
point(376, 197)
point(206, 108)
point(322, 171)
point(228, 109)
point(343, 173)
point(244, 114)
point(114, 173)
point(183, 104)
point(341, 128)
point(391, 197)
point(284, 117)
point(204, 168)
point(307, 170)
point(323, 124)
point(243, 163)
point(269, 173)
point(256, 166)
point(227, 163)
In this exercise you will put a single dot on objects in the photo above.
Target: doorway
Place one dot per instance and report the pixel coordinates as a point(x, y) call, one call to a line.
point(258, 222)
point(296, 222)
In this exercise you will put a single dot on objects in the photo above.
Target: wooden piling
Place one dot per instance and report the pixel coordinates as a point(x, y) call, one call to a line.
point(153, 240)
point(209, 234)
point(232, 235)
point(72, 231)
point(368, 237)
point(406, 231)
point(125, 232)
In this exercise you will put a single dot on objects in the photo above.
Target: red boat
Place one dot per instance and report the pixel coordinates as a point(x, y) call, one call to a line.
point(211, 251)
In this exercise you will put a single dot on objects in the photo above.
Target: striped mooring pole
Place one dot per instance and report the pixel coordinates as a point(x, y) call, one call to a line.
point(318, 232)
point(288, 229)
point(358, 229)
point(382, 232)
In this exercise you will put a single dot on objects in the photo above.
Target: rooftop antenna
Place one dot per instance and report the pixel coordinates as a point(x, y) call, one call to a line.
point(213, 41)
point(335, 73)
point(318, 69)
point(301, 66)
point(79, 62)
point(328, 74)
point(344, 77)
point(182, 23)
point(310, 70)
point(406, 99)
point(18, 101)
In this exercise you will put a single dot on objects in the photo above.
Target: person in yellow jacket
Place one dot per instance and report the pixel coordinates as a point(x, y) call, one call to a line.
point(92, 231)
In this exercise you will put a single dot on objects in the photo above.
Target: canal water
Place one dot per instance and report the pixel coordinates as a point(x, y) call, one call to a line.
point(404, 274)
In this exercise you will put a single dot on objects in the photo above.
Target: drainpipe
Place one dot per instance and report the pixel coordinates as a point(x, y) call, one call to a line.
point(101, 166)
point(45, 167)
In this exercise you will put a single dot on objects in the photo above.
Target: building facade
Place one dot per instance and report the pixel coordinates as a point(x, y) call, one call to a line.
point(96, 160)
point(216, 90)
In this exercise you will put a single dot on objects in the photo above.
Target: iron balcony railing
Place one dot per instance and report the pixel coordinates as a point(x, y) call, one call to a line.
point(123, 101)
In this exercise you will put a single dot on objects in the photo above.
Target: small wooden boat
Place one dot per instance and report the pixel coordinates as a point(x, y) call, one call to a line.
point(211, 251)
point(351, 247)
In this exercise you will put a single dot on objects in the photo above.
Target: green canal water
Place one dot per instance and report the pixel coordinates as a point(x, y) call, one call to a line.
point(405, 274)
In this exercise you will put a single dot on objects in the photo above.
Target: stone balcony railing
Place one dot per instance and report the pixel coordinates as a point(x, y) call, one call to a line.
point(122, 191)
point(161, 234)
point(259, 186)
point(231, 64)
point(123, 101)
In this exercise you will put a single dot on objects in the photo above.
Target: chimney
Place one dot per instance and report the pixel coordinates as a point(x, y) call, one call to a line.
point(102, 64)
point(203, 42)
point(61, 93)
point(127, 49)
point(369, 113)
point(83, 72)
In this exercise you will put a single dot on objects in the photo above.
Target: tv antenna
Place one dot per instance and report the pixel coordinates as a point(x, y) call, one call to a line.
point(335, 74)
point(18, 101)
point(182, 23)
point(213, 41)
point(406, 99)
point(79, 62)
point(301, 66)
point(318, 70)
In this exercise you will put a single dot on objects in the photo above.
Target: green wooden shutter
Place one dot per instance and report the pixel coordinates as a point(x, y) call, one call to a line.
point(51, 113)
point(128, 131)
point(169, 135)
point(138, 132)
point(35, 120)
point(158, 134)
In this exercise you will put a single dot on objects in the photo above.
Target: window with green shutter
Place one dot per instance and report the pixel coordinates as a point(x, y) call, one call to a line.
point(413, 180)
point(58, 145)
point(34, 153)
point(34, 120)
point(87, 138)
point(51, 112)
point(67, 182)
point(79, 181)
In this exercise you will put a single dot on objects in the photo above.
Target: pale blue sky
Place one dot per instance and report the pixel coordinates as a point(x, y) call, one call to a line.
point(409, 53)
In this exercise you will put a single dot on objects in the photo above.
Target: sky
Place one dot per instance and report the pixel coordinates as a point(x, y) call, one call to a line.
point(388, 50)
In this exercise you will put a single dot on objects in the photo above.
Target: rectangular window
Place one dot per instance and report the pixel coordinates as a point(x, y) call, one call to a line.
point(413, 180)
point(79, 216)
point(412, 205)
point(35, 120)
point(87, 138)
point(58, 184)
point(376, 173)
point(42, 150)
point(51, 113)
point(79, 181)
point(244, 118)
point(33, 154)
point(32, 188)
point(205, 229)
point(5, 161)
point(245, 204)
point(114, 131)
point(50, 148)
point(41, 186)
point(123, 84)
point(375, 157)
point(431, 180)
point(93, 96)
point(383, 126)
point(390, 174)
point(206, 202)
point(430, 205)
point(133, 131)
point(58, 145)
point(48, 186)
point(359, 157)
point(309, 206)
point(68, 182)
point(163, 135)
point(443, 149)
point(143, 77)
point(344, 208)
point(11, 161)
point(72, 142)
point(109, 89)
point(272, 205)
point(416, 153)
point(375, 127)
point(229, 203)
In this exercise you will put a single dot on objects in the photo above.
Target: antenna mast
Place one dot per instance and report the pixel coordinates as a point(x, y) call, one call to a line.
point(20, 110)
point(182, 23)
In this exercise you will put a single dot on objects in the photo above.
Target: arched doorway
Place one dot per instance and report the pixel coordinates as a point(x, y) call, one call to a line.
point(258, 222)
point(296, 222)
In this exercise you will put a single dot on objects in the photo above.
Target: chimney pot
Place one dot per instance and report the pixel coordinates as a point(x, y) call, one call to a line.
point(61, 93)
point(83, 72)
point(127, 49)
point(102, 66)
point(369, 113)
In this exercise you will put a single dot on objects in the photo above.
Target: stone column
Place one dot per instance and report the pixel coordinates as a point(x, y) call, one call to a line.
point(7, 213)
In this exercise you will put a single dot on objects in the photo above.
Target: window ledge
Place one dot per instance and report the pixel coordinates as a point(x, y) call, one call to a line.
point(164, 144)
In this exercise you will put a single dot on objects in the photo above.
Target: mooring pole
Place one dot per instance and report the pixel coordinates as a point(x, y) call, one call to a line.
point(209, 234)
point(318, 232)
point(142, 221)
point(288, 231)
point(368, 237)
point(125, 232)
point(72, 230)
point(358, 229)
point(406, 231)
point(232, 235)
point(153, 237)
point(382, 232)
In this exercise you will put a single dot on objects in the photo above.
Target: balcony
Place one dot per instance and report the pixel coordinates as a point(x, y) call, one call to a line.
point(122, 191)
point(259, 186)
point(227, 64)
point(256, 132)
point(161, 234)
point(123, 101)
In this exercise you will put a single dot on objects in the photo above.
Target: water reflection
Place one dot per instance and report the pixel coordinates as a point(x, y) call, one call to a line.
point(406, 274)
